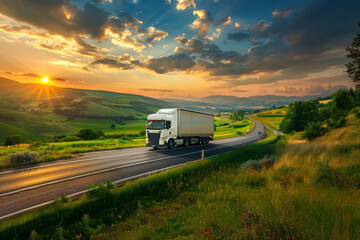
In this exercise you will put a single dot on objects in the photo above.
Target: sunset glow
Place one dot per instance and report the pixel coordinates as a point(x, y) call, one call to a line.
point(186, 49)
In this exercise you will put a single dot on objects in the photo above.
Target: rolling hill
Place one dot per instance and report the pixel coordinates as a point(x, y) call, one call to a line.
point(37, 110)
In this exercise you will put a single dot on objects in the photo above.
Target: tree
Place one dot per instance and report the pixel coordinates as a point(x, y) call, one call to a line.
point(353, 67)
point(12, 140)
point(112, 126)
point(89, 134)
point(238, 115)
point(299, 115)
point(314, 130)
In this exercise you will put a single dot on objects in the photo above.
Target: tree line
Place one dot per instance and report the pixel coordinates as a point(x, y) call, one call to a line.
point(315, 118)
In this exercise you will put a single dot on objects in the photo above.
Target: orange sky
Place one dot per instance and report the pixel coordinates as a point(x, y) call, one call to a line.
point(161, 63)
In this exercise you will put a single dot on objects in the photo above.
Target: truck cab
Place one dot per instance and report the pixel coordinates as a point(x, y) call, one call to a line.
point(161, 128)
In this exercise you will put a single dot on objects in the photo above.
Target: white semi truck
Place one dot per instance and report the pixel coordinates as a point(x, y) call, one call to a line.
point(176, 126)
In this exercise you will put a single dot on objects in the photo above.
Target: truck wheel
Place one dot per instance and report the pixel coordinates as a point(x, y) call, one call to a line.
point(171, 143)
point(206, 140)
point(186, 142)
point(200, 141)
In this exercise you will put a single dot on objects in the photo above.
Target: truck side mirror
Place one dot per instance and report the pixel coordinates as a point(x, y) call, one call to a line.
point(168, 124)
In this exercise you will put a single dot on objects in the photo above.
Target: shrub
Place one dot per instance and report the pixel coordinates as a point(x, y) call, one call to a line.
point(12, 140)
point(24, 157)
point(357, 113)
point(238, 115)
point(142, 133)
point(71, 139)
point(314, 130)
point(283, 171)
point(35, 144)
point(267, 161)
point(89, 134)
point(62, 199)
point(251, 165)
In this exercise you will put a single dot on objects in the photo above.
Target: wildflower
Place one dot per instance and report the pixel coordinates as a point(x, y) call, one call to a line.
point(254, 237)
point(246, 227)
point(291, 226)
point(293, 238)
point(207, 232)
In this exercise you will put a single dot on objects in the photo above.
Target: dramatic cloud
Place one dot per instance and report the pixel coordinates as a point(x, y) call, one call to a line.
point(62, 17)
point(124, 62)
point(155, 90)
point(177, 62)
point(204, 21)
point(184, 4)
point(280, 14)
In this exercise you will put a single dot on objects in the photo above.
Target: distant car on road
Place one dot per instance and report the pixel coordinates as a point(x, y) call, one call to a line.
point(259, 132)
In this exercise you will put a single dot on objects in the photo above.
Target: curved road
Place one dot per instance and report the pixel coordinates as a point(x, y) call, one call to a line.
point(24, 189)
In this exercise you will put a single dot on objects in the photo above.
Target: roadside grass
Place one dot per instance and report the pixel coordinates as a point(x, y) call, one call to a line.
point(65, 150)
point(272, 118)
point(89, 215)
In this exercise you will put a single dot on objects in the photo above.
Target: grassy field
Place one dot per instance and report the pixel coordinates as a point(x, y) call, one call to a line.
point(227, 128)
point(272, 118)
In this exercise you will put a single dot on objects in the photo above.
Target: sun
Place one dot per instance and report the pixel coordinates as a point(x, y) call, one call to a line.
point(45, 80)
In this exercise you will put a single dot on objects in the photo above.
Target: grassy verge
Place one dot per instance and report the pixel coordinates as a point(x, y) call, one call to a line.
point(89, 215)
point(62, 150)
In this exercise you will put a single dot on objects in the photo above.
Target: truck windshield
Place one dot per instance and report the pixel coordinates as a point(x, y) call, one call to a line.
point(157, 125)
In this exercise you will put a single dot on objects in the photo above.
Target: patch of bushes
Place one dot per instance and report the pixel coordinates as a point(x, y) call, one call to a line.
point(329, 176)
point(314, 130)
point(12, 140)
point(24, 157)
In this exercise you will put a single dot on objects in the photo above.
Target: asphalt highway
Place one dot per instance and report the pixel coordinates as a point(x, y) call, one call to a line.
point(35, 186)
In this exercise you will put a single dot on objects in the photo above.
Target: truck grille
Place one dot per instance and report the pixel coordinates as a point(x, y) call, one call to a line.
point(153, 138)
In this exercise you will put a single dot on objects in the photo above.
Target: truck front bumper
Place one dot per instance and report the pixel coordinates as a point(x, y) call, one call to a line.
point(155, 145)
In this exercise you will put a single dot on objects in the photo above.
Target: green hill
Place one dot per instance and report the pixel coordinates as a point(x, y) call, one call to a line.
point(36, 110)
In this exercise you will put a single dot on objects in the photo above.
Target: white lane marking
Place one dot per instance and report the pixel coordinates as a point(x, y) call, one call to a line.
point(84, 191)
point(109, 169)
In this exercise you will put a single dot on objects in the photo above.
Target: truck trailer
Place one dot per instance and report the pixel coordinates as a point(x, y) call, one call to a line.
point(178, 127)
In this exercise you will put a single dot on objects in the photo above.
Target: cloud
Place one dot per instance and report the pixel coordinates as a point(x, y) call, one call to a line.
point(177, 62)
point(238, 36)
point(155, 90)
point(184, 4)
point(224, 21)
point(34, 75)
point(155, 35)
point(204, 21)
point(279, 14)
point(62, 17)
point(123, 62)
point(314, 89)
point(240, 90)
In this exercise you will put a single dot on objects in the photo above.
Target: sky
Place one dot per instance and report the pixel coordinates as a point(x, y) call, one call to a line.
point(180, 48)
